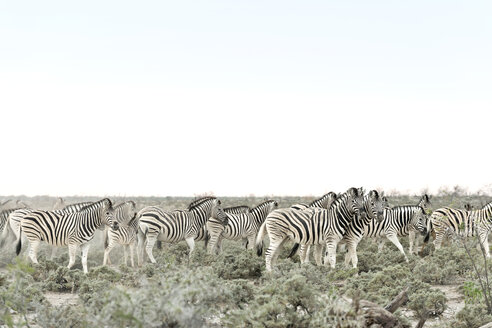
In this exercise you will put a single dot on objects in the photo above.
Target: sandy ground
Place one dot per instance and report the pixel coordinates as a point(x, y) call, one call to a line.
point(58, 299)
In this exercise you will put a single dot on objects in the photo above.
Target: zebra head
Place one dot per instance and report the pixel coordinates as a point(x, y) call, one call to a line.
point(419, 221)
point(424, 201)
point(375, 205)
point(125, 212)
point(108, 216)
point(355, 201)
point(219, 214)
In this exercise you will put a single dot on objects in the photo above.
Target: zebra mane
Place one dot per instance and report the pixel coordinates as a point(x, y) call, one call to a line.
point(374, 193)
point(237, 208)
point(324, 196)
point(125, 203)
point(261, 205)
point(341, 197)
point(93, 205)
point(197, 202)
point(487, 206)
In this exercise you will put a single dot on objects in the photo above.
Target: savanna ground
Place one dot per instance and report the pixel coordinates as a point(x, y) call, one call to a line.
point(233, 289)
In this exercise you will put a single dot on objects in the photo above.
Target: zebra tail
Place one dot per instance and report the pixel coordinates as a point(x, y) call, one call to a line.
point(19, 243)
point(207, 239)
point(259, 239)
point(294, 250)
point(427, 236)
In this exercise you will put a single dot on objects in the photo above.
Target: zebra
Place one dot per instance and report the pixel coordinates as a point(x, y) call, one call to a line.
point(126, 216)
point(374, 205)
point(310, 226)
point(175, 226)
point(446, 220)
point(66, 229)
point(15, 217)
point(205, 236)
point(240, 226)
point(325, 202)
point(401, 220)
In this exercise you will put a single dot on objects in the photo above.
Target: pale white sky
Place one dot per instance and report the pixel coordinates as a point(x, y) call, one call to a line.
point(264, 97)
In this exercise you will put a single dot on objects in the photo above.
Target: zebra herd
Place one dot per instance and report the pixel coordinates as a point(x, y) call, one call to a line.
point(331, 220)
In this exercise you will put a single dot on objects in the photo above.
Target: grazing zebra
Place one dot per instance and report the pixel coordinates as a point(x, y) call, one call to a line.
point(173, 227)
point(239, 226)
point(66, 229)
point(324, 202)
point(310, 226)
point(447, 220)
point(126, 216)
point(404, 220)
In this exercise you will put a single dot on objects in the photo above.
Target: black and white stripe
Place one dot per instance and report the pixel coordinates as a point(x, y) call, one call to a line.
point(239, 226)
point(172, 227)
point(374, 205)
point(446, 220)
point(404, 220)
point(66, 229)
point(126, 216)
point(310, 226)
point(325, 202)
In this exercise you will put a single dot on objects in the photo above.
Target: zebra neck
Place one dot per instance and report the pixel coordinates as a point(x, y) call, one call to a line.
point(87, 223)
point(259, 216)
point(199, 217)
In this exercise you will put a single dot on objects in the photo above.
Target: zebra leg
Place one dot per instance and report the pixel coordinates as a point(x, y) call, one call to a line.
point(331, 253)
point(106, 253)
point(318, 254)
point(218, 247)
point(438, 239)
point(33, 251)
point(351, 255)
point(213, 241)
point(484, 240)
point(394, 239)
point(411, 239)
point(305, 254)
point(251, 242)
point(85, 250)
point(271, 252)
point(72, 252)
point(132, 247)
point(191, 244)
point(151, 238)
point(277, 252)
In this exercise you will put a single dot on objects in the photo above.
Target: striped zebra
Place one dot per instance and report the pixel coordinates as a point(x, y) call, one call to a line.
point(310, 226)
point(172, 227)
point(446, 220)
point(403, 220)
point(205, 236)
point(66, 229)
point(325, 202)
point(126, 216)
point(374, 205)
point(15, 217)
point(239, 226)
